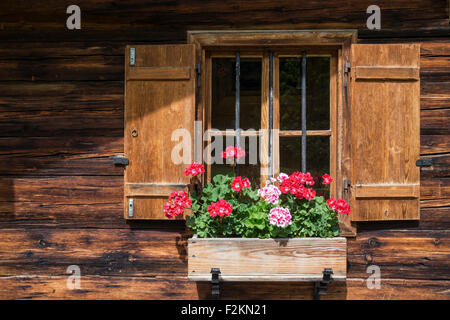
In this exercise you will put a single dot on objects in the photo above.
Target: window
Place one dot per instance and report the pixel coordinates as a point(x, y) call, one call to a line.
point(362, 115)
point(268, 107)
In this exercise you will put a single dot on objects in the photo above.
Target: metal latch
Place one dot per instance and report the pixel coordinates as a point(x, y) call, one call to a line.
point(424, 162)
point(120, 160)
point(132, 56)
point(131, 208)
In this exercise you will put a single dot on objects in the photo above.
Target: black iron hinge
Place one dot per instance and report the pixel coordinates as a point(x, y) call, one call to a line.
point(424, 162)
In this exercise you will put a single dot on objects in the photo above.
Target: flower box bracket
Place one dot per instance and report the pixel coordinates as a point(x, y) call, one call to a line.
point(320, 287)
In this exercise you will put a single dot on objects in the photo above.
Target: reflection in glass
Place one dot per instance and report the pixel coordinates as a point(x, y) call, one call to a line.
point(317, 89)
point(317, 154)
point(224, 93)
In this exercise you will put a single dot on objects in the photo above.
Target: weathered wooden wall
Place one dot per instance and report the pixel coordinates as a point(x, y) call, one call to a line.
point(61, 119)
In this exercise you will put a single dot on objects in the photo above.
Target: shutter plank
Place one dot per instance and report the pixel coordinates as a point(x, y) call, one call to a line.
point(159, 98)
point(385, 131)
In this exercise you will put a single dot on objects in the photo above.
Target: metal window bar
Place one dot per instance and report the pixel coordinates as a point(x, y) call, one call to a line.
point(304, 111)
point(270, 173)
point(237, 104)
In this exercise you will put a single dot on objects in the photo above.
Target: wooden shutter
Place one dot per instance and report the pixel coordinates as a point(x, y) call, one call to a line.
point(385, 127)
point(159, 98)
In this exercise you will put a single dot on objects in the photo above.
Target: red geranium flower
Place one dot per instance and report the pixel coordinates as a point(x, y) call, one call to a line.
point(326, 179)
point(295, 185)
point(340, 206)
point(194, 169)
point(178, 201)
point(239, 183)
point(220, 208)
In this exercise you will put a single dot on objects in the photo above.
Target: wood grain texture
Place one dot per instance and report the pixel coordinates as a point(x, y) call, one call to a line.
point(297, 259)
point(55, 177)
point(385, 131)
point(155, 107)
point(399, 289)
point(387, 73)
point(406, 254)
point(48, 252)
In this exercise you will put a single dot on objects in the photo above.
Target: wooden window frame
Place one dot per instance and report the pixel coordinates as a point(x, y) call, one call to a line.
point(254, 43)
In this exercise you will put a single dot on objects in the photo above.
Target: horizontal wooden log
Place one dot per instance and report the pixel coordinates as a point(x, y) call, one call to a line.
point(434, 94)
point(68, 69)
point(111, 15)
point(25, 96)
point(400, 254)
point(173, 287)
point(137, 288)
point(435, 122)
point(97, 252)
point(97, 288)
point(433, 144)
point(77, 109)
point(435, 67)
point(60, 156)
point(435, 48)
point(62, 190)
point(434, 189)
point(398, 289)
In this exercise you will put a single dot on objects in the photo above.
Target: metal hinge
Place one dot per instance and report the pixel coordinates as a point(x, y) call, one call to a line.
point(132, 56)
point(424, 162)
point(347, 67)
point(198, 71)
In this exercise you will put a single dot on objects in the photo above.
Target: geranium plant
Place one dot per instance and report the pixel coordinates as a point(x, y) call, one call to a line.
point(230, 206)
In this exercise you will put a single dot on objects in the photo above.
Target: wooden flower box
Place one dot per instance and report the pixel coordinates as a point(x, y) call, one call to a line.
point(249, 259)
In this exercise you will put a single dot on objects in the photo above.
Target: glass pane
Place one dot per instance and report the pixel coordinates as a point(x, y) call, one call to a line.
point(317, 154)
point(250, 167)
point(224, 93)
point(317, 93)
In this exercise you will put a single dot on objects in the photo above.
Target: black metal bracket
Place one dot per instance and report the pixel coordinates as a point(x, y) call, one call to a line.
point(120, 160)
point(424, 162)
point(320, 287)
point(215, 283)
